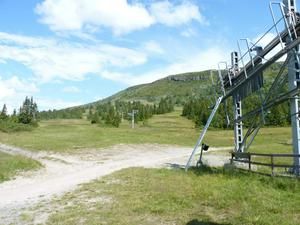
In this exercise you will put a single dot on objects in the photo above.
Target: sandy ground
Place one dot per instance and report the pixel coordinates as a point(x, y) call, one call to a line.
point(64, 172)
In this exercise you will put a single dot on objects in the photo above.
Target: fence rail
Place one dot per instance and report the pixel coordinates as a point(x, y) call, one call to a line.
point(247, 157)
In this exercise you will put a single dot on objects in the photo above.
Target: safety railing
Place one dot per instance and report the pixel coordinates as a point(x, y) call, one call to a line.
point(252, 159)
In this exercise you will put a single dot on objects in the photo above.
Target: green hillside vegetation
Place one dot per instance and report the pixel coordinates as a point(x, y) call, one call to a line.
point(179, 87)
point(112, 114)
point(194, 91)
point(69, 113)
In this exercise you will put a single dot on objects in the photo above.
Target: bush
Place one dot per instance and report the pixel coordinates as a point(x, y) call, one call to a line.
point(8, 126)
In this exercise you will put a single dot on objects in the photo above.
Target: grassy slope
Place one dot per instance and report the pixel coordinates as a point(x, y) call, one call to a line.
point(10, 165)
point(206, 197)
point(152, 92)
point(180, 90)
point(60, 135)
point(64, 135)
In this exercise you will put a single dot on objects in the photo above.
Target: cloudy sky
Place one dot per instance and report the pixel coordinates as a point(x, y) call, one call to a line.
point(70, 52)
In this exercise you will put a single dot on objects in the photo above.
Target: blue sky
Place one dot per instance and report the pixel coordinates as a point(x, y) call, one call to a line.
point(70, 52)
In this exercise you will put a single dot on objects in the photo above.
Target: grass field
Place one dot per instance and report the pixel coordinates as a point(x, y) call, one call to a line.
point(70, 135)
point(10, 165)
point(162, 196)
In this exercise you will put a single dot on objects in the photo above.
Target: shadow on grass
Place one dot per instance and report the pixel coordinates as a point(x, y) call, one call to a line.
point(197, 222)
point(285, 143)
point(175, 166)
point(227, 169)
point(278, 182)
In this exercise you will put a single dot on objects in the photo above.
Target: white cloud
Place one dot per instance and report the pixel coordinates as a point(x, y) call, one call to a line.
point(153, 47)
point(13, 92)
point(45, 103)
point(71, 89)
point(174, 15)
point(5, 91)
point(71, 15)
point(50, 59)
point(189, 32)
point(118, 15)
point(207, 59)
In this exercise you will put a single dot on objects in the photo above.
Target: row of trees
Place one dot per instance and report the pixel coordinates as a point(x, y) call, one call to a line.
point(164, 106)
point(106, 113)
point(199, 109)
point(70, 113)
point(27, 114)
point(112, 114)
point(23, 120)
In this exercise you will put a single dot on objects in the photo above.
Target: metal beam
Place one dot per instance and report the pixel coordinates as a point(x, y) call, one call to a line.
point(237, 107)
point(203, 132)
point(293, 81)
point(261, 67)
point(280, 99)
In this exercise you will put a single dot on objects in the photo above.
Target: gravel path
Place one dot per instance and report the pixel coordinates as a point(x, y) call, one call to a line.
point(64, 172)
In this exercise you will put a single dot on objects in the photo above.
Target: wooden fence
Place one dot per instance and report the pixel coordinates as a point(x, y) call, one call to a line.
point(247, 158)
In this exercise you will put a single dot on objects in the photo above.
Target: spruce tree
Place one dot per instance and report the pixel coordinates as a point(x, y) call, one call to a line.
point(3, 114)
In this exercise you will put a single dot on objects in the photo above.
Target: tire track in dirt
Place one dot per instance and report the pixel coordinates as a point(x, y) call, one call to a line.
point(64, 172)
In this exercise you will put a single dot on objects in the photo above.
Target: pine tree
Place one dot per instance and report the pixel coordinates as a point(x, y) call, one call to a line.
point(116, 120)
point(3, 114)
point(14, 117)
point(28, 111)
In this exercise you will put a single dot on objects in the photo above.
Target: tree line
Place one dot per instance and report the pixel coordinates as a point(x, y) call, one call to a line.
point(69, 113)
point(113, 113)
point(199, 109)
point(24, 119)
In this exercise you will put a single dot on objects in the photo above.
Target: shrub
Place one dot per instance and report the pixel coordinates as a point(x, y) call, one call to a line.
point(8, 126)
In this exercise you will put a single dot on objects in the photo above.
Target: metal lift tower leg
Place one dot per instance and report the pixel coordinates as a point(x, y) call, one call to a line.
point(294, 81)
point(237, 104)
point(238, 126)
point(203, 132)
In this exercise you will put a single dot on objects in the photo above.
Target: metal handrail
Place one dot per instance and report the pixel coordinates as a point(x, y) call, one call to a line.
point(254, 44)
point(273, 17)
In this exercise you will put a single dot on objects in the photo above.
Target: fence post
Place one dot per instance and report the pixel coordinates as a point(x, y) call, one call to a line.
point(272, 164)
point(249, 160)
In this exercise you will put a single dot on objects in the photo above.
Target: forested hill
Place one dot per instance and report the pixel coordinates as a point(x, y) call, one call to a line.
point(179, 87)
point(175, 88)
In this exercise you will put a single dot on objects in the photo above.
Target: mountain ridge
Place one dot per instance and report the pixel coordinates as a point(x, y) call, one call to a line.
point(178, 85)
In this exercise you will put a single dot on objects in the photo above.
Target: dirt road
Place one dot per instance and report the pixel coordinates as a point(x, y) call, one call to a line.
point(63, 172)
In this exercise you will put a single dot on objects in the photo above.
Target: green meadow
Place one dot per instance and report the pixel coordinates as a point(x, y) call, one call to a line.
point(171, 128)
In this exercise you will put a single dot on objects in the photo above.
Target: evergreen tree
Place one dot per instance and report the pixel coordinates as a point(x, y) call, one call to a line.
point(116, 120)
point(3, 114)
point(14, 117)
point(28, 112)
point(95, 118)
